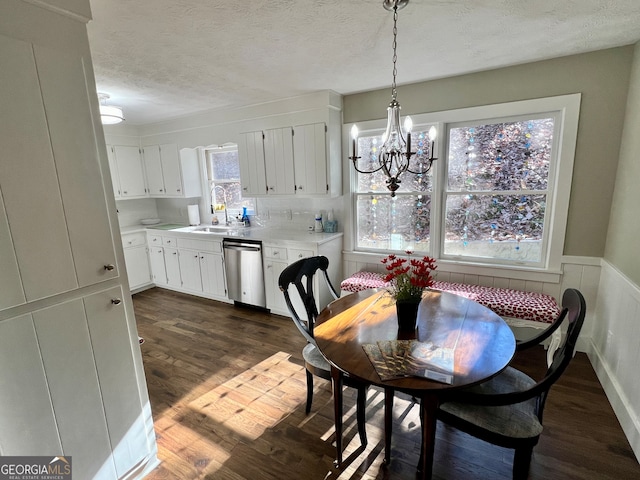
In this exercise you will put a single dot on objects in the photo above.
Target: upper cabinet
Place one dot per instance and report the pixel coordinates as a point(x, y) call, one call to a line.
point(54, 179)
point(158, 171)
point(171, 173)
point(310, 159)
point(127, 171)
point(298, 160)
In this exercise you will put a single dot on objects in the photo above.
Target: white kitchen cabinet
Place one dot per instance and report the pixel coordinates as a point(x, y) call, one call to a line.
point(172, 265)
point(171, 173)
point(212, 273)
point(278, 161)
point(253, 178)
point(136, 259)
point(74, 375)
point(153, 169)
point(113, 170)
point(129, 171)
point(158, 269)
point(310, 159)
point(275, 299)
point(277, 257)
point(190, 269)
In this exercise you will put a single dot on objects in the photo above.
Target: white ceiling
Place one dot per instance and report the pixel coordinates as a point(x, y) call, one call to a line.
point(161, 59)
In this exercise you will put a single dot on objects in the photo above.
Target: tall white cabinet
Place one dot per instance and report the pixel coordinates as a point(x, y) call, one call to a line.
point(71, 376)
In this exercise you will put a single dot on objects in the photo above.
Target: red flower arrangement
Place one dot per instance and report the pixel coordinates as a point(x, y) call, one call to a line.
point(408, 276)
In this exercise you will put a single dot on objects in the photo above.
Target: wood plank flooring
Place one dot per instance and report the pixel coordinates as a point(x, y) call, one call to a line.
point(227, 390)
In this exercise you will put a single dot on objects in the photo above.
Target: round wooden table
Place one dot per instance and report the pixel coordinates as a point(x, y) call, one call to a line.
point(482, 343)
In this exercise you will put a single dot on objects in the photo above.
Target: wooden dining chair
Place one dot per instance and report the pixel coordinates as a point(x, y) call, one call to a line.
point(301, 274)
point(507, 410)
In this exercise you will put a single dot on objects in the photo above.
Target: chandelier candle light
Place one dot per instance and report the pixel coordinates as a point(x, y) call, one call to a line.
point(395, 153)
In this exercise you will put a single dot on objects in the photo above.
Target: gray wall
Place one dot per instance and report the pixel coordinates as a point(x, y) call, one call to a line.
point(624, 226)
point(603, 79)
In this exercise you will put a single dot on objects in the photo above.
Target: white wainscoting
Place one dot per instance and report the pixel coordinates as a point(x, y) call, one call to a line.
point(615, 349)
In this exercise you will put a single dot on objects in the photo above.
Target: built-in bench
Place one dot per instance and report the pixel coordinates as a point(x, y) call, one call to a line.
point(516, 307)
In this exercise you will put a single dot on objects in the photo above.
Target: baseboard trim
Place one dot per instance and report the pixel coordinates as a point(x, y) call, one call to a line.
point(628, 421)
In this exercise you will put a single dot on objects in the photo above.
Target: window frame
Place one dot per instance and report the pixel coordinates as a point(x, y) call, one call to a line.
point(564, 108)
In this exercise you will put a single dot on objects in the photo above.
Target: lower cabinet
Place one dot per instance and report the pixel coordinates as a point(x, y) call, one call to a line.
point(137, 259)
point(78, 349)
point(172, 266)
point(202, 267)
point(277, 257)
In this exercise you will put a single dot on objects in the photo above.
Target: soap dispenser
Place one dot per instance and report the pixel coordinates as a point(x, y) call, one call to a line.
point(318, 226)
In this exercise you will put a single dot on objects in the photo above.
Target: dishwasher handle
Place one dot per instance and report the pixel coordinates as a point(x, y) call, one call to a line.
point(241, 248)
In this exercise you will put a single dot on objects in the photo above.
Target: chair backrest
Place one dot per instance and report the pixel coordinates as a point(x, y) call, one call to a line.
point(573, 302)
point(301, 274)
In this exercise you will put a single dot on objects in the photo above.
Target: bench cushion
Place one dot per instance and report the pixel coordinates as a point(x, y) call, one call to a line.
point(506, 302)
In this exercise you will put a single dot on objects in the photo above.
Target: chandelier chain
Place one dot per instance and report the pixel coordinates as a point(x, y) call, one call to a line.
point(394, 46)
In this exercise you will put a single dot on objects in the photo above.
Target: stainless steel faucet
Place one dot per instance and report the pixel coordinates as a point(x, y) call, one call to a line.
point(224, 202)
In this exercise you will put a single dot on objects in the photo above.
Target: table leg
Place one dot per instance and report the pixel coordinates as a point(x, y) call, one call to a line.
point(389, 394)
point(428, 410)
point(336, 377)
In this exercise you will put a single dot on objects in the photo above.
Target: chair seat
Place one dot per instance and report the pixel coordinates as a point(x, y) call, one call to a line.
point(315, 361)
point(516, 421)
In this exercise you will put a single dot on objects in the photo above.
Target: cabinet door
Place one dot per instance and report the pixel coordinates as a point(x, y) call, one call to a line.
point(212, 271)
point(310, 159)
point(171, 170)
point(79, 175)
point(153, 168)
point(137, 262)
point(113, 349)
point(158, 269)
point(252, 167)
point(278, 161)
point(190, 269)
point(275, 298)
point(28, 421)
point(172, 264)
point(113, 169)
point(67, 356)
point(130, 171)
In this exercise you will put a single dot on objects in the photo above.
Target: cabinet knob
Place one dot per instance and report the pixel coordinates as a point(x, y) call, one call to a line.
point(161, 190)
point(245, 189)
point(270, 188)
point(116, 301)
point(299, 187)
point(196, 256)
point(175, 253)
point(300, 255)
point(109, 267)
point(124, 192)
point(178, 190)
point(155, 240)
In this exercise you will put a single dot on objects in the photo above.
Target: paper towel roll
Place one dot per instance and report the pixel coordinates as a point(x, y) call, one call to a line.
point(194, 214)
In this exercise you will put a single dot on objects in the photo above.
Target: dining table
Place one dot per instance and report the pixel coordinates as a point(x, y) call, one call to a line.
point(470, 343)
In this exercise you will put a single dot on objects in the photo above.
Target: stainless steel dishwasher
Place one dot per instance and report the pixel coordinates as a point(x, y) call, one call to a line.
point(243, 267)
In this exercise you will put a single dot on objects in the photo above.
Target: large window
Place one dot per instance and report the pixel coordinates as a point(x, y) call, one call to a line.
point(498, 194)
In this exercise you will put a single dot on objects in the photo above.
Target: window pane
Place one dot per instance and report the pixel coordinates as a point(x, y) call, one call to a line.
point(506, 227)
point(225, 165)
point(501, 156)
point(398, 223)
point(368, 149)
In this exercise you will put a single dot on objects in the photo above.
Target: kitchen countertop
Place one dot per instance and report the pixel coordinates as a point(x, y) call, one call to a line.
point(264, 234)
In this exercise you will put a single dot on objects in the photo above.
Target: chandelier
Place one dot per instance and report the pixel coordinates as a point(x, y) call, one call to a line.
point(395, 153)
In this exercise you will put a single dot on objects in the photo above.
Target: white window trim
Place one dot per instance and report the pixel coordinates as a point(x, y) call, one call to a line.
point(569, 108)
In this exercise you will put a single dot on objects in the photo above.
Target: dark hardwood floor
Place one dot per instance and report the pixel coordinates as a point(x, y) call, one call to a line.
point(227, 390)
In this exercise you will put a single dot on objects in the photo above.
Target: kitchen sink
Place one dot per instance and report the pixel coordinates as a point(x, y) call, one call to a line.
point(218, 229)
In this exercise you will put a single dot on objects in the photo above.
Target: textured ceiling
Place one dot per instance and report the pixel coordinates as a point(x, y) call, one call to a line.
point(161, 59)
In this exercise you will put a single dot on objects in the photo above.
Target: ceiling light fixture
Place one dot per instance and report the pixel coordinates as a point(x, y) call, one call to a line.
point(395, 153)
point(109, 114)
